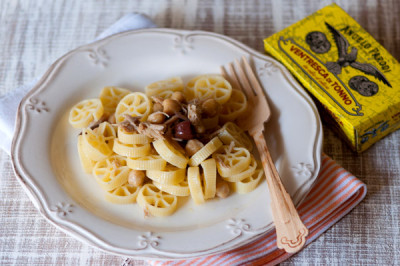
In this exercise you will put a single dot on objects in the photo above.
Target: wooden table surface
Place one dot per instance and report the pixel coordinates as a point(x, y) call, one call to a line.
point(35, 33)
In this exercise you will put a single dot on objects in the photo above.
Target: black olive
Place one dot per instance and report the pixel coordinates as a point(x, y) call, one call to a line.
point(183, 130)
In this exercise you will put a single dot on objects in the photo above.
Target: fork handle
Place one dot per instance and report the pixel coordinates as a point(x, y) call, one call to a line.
point(290, 231)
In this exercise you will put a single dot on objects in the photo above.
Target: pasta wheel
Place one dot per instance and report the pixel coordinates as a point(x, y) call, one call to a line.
point(111, 96)
point(249, 183)
point(189, 89)
point(206, 151)
point(85, 112)
point(231, 132)
point(132, 138)
point(164, 88)
point(181, 189)
point(170, 153)
point(86, 162)
point(111, 172)
point(108, 131)
point(233, 108)
point(149, 162)
point(213, 86)
point(156, 202)
point(171, 175)
point(134, 104)
point(131, 150)
point(210, 178)
point(95, 145)
point(123, 195)
point(244, 174)
point(232, 160)
point(196, 189)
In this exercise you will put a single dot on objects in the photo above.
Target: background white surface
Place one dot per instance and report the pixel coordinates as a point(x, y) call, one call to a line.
point(35, 33)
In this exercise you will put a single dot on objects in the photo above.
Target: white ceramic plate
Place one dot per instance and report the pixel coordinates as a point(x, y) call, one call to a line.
point(46, 160)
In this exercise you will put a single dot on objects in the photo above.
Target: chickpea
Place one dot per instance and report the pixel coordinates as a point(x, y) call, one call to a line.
point(157, 107)
point(136, 177)
point(222, 189)
point(171, 106)
point(178, 96)
point(209, 107)
point(156, 118)
point(193, 146)
point(111, 119)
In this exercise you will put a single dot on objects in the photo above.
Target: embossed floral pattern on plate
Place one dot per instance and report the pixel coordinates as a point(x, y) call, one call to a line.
point(47, 163)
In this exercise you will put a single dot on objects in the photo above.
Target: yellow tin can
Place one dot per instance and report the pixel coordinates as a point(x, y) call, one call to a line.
point(354, 80)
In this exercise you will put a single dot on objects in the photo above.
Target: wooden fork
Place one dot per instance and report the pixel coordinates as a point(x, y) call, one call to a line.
point(290, 230)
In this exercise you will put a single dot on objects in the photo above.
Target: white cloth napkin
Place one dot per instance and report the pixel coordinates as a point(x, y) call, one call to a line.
point(9, 102)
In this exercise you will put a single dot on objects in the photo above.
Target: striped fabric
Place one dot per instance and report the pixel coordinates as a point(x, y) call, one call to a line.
point(335, 193)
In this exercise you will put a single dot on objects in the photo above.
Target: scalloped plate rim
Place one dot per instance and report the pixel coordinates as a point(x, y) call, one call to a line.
point(35, 194)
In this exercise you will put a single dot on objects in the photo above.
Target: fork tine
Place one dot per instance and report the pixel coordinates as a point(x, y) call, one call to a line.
point(234, 76)
point(231, 78)
point(252, 77)
point(244, 80)
point(224, 74)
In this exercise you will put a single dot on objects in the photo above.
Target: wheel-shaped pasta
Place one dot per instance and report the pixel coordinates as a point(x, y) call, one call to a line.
point(205, 151)
point(164, 88)
point(148, 162)
point(210, 177)
point(132, 137)
point(94, 145)
point(171, 175)
point(110, 97)
point(232, 160)
point(134, 104)
point(123, 195)
point(188, 91)
point(111, 172)
point(233, 108)
point(86, 162)
point(181, 189)
point(108, 131)
point(249, 183)
point(213, 86)
point(231, 132)
point(195, 186)
point(85, 112)
point(131, 150)
point(244, 174)
point(169, 153)
point(156, 202)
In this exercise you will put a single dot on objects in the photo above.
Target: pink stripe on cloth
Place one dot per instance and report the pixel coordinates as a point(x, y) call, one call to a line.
point(342, 191)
